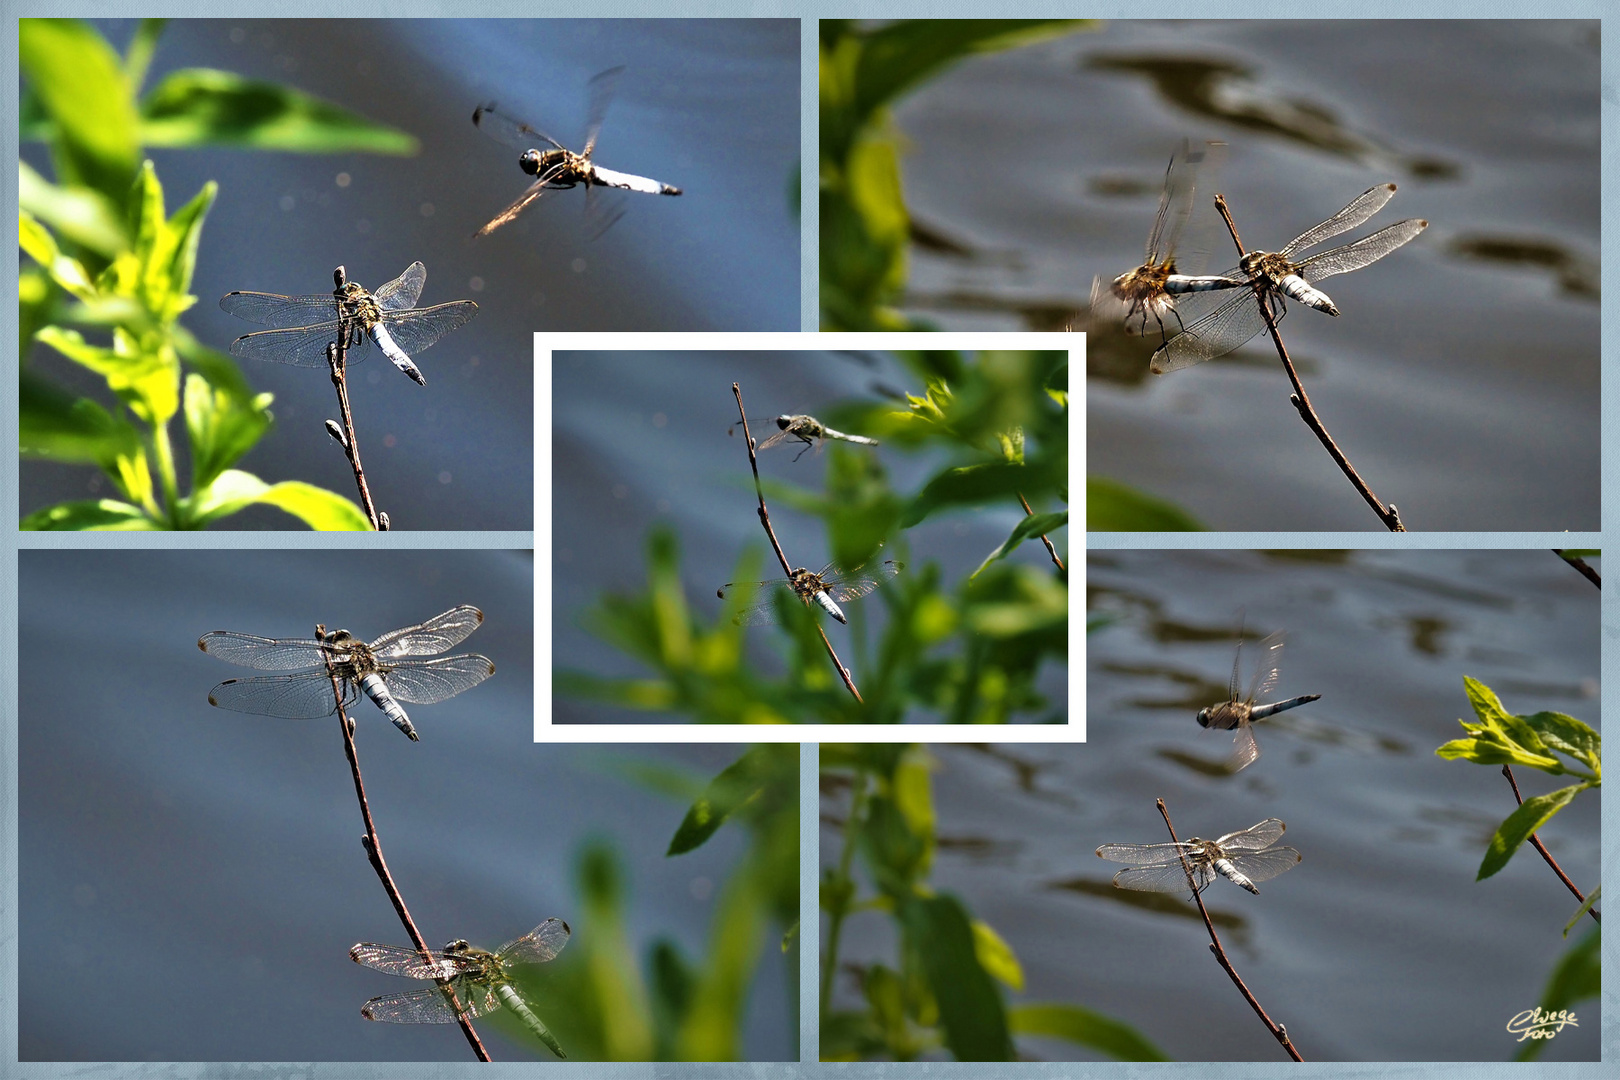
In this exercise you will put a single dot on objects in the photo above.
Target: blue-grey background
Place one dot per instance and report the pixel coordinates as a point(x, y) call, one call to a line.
point(711, 106)
point(640, 438)
point(1380, 945)
point(190, 879)
point(1465, 391)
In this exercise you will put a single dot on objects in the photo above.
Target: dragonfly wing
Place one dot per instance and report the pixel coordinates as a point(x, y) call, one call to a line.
point(761, 611)
point(1366, 204)
point(1266, 669)
point(403, 291)
point(1170, 877)
point(1255, 837)
point(1265, 865)
point(510, 130)
point(292, 697)
point(270, 309)
point(1177, 200)
point(427, 682)
point(1244, 749)
point(407, 962)
point(266, 654)
point(539, 945)
point(1227, 327)
point(420, 328)
point(431, 1004)
point(1146, 854)
point(1369, 249)
point(602, 87)
point(603, 209)
point(535, 190)
point(856, 587)
point(304, 346)
point(436, 635)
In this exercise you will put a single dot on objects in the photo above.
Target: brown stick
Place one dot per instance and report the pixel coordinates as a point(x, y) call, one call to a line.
point(336, 355)
point(1278, 1032)
point(1535, 842)
point(1050, 550)
point(1302, 401)
point(1582, 565)
point(373, 848)
point(787, 568)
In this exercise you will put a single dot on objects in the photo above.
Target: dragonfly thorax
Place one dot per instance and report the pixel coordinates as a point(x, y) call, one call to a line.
point(1268, 265)
point(806, 583)
point(1225, 716)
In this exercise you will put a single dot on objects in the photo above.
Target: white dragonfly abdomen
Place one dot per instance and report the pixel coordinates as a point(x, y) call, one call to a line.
point(631, 182)
point(377, 691)
point(385, 341)
point(831, 608)
point(1232, 874)
point(1301, 290)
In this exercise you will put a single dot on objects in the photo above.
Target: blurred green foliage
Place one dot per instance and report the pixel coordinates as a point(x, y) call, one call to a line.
point(1115, 507)
point(1577, 977)
point(967, 652)
point(944, 990)
point(865, 227)
point(108, 261)
point(605, 1005)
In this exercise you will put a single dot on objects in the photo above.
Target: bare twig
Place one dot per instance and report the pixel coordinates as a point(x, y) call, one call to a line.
point(373, 848)
point(1278, 1032)
point(765, 520)
point(1050, 550)
point(1302, 401)
point(1535, 842)
point(336, 354)
point(1582, 565)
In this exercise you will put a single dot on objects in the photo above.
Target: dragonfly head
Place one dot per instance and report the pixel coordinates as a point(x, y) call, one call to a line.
point(1206, 716)
point(530, 162)
point(339, 638)
point(783, 422)
point(460, 945)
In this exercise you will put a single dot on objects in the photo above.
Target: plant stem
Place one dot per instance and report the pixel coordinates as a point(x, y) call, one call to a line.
point(835, 918)
point(337, 353)
point(1535, 842)
point(1302, 401)
point(1278, 1032)
point(765, 519)
point(1581, 565)
point(163, 450)
point(1050, 550)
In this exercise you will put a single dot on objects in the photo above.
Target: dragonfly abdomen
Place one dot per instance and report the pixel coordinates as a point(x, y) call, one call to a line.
point(385, 341)
point(629, 181)
point(831, 608)
point(514, 1001)
point(1232, 874)
point(1260, 712)
point(1298, 288)
point(377, 691)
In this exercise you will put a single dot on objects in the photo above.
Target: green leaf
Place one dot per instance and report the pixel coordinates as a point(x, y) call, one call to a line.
point(1528, 818)
point(57, 425)
point(234, 490)
point(40, 245)
point(972, 485)
point(97, 514)
point(1569, 736)
point(221, 426)
point(141, 47)
point(1578, 976)
point(739, 784)
point(1032, 525)
point(996, 956)
point(1580, 912)
point(1500, 738)
point(1114, 507)
point(183, 234)
point(1101, 1033)
point(899, 56)
point(200, 106)
point(939, 933)
point(148, 383)
point(79, 81)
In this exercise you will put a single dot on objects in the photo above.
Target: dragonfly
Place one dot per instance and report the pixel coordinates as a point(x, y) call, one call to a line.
point(388, 670)
point(1151, 289)
point(349, 314)
point(1243, 858)
point(1235, 714)
point(554, 166)
point(811, 432)
point(480, 980)
point(828, 587)
point(1271, 276)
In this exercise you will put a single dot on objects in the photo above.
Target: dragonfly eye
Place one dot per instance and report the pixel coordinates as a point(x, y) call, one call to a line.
point(530, 162)
point(1203, 717)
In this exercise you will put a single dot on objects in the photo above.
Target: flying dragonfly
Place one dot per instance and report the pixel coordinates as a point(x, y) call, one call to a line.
point(828, 588)
point(559, 167)
point(811, 432)
point(1243, 858)
point(480, 980)
point(388, 317)
point(1239, 715)
point(1152, 288)
point(1271, 276)
point(388, 670)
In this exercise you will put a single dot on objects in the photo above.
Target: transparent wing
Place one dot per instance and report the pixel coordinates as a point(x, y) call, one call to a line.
point(1177, 199)
point(304, 346)
point(404, 290)
point(407, 962)
point(1237, 660)
point(1366, 204)
point(1267, 668)
point(1369, 249)
point(1254, 838)
point(444, 631)
point(1237, 320)
point(1265, 865)
point(431, 1005)
point(762, 611)
point(539, 945)
point(603, 209)
point(420, 328)
point(271, 309)
point(427, 682)
point(292, 697)
point(797, 428)
point(266, 654)
point(855, 587)
point(1170, 877)
point(510, 130)
point(535, 190)
point(1145, 854)
point(601, 89)
point(1244, 749)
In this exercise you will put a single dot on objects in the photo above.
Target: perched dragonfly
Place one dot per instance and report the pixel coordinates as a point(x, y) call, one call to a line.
point(811, 432)
point(1151, 289)
point(307, 324)
point(1273, 275)
point(1243, 858)
point(388, 670)
point(559, 167)
point(1239, 715)
point(827, 588)
point(480, 980)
